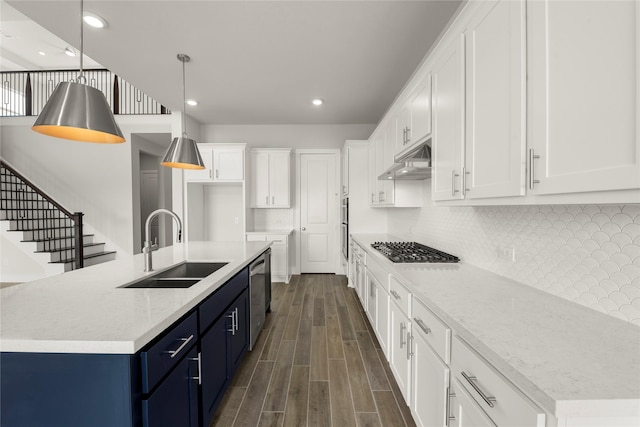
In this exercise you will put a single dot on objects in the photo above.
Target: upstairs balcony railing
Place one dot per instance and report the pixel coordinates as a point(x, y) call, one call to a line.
point(24, 93)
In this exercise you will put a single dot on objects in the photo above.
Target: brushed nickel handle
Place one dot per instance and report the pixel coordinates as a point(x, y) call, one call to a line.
point(266, 199)
point(233, 323)
point(532, 177)
point(402, 328)
point(395, 294)
point(424, 327)
point(304, 228)
point(409, 345)
point(372, 198)
point(464, 180)
point(453, 182)
point(185, 341)
point(199, 360)
point(408, 134)
point(273, 200)
point(217, 173)
point(404, 136)
point(210, 174)
point(472, 380)
point(448, 416)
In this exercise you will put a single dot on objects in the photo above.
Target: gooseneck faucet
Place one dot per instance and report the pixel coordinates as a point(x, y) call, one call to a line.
point(149, 247)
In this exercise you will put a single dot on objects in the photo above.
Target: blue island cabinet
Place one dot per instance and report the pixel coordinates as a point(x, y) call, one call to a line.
point(178, 379)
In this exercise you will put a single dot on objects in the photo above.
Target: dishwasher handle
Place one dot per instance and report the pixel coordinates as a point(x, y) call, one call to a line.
point(258, 267)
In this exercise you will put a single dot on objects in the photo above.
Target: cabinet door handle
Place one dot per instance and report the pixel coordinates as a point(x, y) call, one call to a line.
point(210, 174)
point(453, 182)
point(402, 329)
point(404, 136)
point(472, 380)
point(273, 200)
point(237, 319)
point(424, 327)
point(448, 417)
point(217, 174)
point(266, 200)
point(395, 294)
point(198, 359)
point(409, 345)
point(372, 198)
point(464, 181)
point(185, 341)
point(408, 134)
point(233, 323)
point(532, 176)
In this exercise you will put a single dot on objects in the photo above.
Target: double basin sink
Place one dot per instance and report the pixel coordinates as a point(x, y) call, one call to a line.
point(182, 275)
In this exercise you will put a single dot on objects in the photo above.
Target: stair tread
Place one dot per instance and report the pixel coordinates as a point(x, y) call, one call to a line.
point(54, 238)
point(68, 248)
point(64, 261)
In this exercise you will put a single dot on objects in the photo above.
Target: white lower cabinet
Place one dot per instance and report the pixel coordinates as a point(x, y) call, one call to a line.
point(464, 412)
point(493, 395)
point(382, 321)
point(430, 385)
point(400, 350)
point(372, 292)
point(280, 271)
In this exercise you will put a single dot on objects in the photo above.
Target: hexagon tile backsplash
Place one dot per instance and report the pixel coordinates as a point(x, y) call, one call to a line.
point(589, 254)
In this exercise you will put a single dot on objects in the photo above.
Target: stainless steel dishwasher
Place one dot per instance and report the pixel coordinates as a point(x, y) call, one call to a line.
point(258, 282)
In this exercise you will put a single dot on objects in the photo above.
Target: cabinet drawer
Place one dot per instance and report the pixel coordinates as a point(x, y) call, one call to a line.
point(501, 400)
point(400, 295)
point(433, 330)
point(256, 238)
point(378, 272)
point(165, 353)
point(217, 303)
point(277, 239)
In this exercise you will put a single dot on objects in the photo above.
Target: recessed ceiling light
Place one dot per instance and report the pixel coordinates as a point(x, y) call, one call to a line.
point(192, 102)
point(94, 20)
point(69, 51)
point(317, 102)
point(41, 53)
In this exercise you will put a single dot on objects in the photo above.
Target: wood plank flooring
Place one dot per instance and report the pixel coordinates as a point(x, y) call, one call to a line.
point(316, 363)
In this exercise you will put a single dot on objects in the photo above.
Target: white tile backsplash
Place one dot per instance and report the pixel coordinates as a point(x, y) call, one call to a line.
point(589, 254)
point(272, 219)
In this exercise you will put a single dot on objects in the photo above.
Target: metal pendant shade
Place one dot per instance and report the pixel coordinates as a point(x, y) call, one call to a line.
point(183, 152)
point(78, 112)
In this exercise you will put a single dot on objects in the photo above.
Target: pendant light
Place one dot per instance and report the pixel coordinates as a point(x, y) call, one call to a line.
point(183, 152)
point(79, 112)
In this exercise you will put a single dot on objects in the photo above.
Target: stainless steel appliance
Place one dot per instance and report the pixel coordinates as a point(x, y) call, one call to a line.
point(404, 252)
point(344, 227)
point(259, 280)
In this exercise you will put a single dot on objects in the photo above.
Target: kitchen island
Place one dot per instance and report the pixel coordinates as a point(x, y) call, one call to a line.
point(579, 366)
point(82, 349)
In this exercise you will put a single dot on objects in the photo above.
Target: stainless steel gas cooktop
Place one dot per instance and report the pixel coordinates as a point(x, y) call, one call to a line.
point(404, 252)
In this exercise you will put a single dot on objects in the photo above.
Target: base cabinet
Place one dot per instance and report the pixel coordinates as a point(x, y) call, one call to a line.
point(430, 386)
point(280, 270)
point(464, 411)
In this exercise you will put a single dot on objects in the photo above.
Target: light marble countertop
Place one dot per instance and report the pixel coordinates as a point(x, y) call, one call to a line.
point(571, 360)
point(87, 310)
point(279, 231)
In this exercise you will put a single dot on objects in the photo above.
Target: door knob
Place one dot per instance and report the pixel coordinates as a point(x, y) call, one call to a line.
point(304, 228)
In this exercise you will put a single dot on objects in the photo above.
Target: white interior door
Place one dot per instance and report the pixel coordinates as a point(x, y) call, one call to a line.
point(318, 222)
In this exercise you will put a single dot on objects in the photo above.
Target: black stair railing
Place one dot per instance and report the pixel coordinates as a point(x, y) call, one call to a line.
point(24, 93)
point(51, 225)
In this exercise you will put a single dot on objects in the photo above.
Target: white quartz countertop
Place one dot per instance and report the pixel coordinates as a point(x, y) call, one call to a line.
point(571, 360)
point(87, 310)
point(279, 231)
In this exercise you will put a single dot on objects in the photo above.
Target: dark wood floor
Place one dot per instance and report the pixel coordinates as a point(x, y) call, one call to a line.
point(316, 363)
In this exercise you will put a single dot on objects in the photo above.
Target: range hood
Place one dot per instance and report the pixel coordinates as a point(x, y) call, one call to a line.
point(414, 164)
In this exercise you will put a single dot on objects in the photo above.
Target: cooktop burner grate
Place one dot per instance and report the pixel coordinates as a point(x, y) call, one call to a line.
point(405, 252)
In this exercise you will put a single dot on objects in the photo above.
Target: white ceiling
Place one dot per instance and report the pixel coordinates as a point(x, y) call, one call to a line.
point(252, 62)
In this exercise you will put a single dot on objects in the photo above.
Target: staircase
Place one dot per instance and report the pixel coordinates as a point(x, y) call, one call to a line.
point(45, 225)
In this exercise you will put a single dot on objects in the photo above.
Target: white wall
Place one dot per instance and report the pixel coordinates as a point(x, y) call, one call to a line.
point(588, 254)
point(92, 178)
point(286, 136)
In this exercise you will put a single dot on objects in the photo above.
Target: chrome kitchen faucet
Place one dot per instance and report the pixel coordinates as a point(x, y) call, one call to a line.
point(149, 246)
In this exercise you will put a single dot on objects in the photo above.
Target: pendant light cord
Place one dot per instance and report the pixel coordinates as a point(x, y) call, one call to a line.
point(184, 100)
point(81, 77)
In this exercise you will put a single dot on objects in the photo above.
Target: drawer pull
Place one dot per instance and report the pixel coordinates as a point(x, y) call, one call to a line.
point(402, 329)
point(233, 323)
point(449, 417)
point(424, 327)
point(395, 294)
point(199, 377)
point(472, 380)
point(175, 352)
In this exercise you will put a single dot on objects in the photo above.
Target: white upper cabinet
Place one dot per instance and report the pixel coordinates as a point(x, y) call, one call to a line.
point(583, 96)
point(448, 121)
point(414, 119)
point(495, 148)
point(222, 162)
point(271, 178)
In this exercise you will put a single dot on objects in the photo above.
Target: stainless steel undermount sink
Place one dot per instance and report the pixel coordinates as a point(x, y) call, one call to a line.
point(182, 275)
